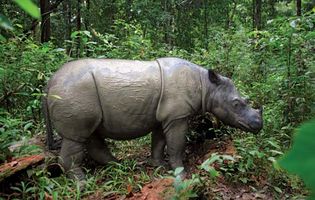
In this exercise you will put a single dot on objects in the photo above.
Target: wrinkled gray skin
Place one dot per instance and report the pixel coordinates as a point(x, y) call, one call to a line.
point(125, 99)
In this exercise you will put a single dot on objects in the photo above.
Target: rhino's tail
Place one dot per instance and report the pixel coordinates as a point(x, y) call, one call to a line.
point(49, 130)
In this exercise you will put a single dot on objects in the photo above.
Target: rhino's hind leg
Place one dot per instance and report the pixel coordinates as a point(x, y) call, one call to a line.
point(71, 157)
point(99, 151)
point(158, 143)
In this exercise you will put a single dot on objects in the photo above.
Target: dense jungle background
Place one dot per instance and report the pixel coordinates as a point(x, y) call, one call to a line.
point(266, 46)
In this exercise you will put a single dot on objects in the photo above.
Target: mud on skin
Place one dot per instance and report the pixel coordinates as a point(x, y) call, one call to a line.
point(126, 99)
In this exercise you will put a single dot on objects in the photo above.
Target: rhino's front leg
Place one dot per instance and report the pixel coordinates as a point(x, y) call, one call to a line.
point(158, 143)
point(71, 157)
point(175, 134)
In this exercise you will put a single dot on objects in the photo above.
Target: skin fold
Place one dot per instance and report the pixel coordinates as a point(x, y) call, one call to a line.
point(89, 100)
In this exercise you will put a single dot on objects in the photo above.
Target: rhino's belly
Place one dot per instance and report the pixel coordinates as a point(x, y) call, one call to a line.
point(129, 127)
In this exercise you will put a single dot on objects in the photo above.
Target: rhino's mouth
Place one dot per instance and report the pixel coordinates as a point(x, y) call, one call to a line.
point(246, 127)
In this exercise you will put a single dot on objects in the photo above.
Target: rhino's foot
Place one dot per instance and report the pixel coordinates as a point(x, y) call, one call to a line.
point(112, 159)
point(76, 174)
point(157, 163)
point(71, 157)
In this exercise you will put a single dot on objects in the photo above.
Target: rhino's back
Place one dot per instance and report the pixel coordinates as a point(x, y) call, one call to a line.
point(120, 94)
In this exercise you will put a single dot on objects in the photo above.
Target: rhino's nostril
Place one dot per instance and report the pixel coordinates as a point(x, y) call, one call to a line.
point(256, 124)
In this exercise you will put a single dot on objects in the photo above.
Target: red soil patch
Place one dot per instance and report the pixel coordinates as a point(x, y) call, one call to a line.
point(157, 190)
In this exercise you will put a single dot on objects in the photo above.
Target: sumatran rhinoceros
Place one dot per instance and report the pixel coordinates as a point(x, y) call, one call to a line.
point(89, 100)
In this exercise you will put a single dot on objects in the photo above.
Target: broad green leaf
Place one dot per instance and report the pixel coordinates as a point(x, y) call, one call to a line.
point(2, 38)
point(277, 189)
point(55, 96)
point(74, 34)
point(55, 195)
point(300, 159)
point(276, 152)
point(178, 170)
point(29, 7)
point(272, 143)
point(1, 71)
point(227, 157)
point(87, 33)
point(310, 35)
point(213, 172)
point(5, 23)
point(27, 126)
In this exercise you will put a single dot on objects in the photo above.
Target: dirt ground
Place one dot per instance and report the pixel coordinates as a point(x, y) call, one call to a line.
point(196, 154)
point(160, 189)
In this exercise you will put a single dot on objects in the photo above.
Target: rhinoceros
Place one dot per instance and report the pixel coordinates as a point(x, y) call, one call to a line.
point(89, 100)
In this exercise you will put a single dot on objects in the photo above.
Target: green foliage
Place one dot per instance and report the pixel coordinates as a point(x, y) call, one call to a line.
point(114, 179)
point(11, 130)
point(29, 7)
point(273, 67)
point(5, 23)
point(207, 165)
point(300, 159)
point(27, 67)
point(184, 189)
point(25, 189)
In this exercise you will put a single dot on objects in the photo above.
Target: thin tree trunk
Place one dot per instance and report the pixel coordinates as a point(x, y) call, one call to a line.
point(128, 10)
point(178, 39)
point(298, 7)
point(86, 19)
point(64, 12)
point(206, 23)
point(165, 23)
point(257, 14)
point(45, 25)
point(272, 8)
point(69, 26)
point(172, 23)
point(79, 27)
point(231, 16)
point(45, 9)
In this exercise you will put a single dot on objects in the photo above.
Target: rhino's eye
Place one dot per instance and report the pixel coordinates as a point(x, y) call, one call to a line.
point(237, 103)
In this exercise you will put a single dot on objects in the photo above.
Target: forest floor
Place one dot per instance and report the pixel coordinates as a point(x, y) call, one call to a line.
point(162, 187)
point(196, 154)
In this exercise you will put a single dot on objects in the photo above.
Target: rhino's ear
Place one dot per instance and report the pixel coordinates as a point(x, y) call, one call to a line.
point(213, 77)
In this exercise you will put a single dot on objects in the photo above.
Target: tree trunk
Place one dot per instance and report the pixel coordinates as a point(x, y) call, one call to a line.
point(128, 10)
point(65, 25)
point(206, 23)
point(298, 7)
point(45, 9)
point(45, 25)
point(272, 8)
point(230, 15)
point(87, 17)
point(79, 27)
point(165, 23)
point(68, 25)
point(257, 14)
point(79, 15)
